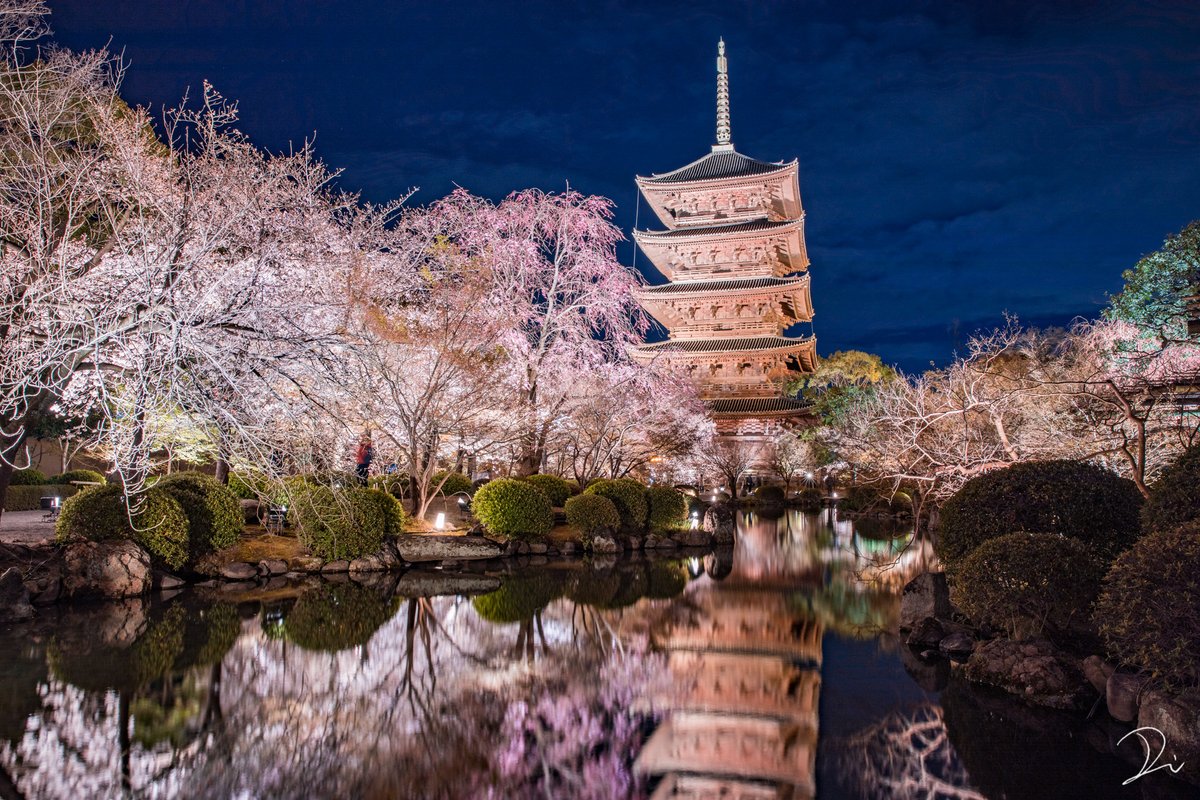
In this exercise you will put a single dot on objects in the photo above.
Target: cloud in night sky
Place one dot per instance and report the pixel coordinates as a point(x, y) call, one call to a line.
point(957, 160)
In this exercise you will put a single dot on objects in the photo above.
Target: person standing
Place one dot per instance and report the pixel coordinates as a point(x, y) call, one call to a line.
point(363, 458)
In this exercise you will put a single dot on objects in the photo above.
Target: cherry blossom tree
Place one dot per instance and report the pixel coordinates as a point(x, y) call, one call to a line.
point(556, 269)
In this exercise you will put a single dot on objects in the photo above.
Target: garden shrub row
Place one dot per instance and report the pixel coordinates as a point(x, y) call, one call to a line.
point(556, 488)
point(629, 497)
point(35, 477)
point(513, 508)
point(29, 497)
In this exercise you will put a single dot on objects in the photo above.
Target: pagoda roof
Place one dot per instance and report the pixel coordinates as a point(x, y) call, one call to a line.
point(735, 285)
point(729, 344)
point(763, 225)
point(759, 405)
point(720, 163)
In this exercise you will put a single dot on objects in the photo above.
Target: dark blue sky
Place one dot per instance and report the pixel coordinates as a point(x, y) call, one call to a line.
point(957, 160)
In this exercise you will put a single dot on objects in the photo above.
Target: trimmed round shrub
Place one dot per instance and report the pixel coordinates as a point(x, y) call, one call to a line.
point(1149, 608)
point(770, 495)
point(455, 482)
point(389, 508)
point(630, 499)
point(810, 499)
point(858, 499)
point(1021, 580)
point(250, 487)
point(556, 488)
point(518, 598)
point(214, 515)
point(337, 525)
point(513, 508)
point(592, 515)
point(88, 475)
point(1077, 500)
point(1175, 496)
point(99, 514)
point(93, 663)
point(27, 477)
point(337, 616)
point(668, 507)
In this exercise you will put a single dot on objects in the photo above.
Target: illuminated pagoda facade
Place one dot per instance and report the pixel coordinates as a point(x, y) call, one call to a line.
point(737, 269)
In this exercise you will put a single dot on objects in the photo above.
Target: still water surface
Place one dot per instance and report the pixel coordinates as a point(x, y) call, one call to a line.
point(771, 670)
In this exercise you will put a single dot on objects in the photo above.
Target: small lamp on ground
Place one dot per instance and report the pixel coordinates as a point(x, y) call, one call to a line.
point(440, 521)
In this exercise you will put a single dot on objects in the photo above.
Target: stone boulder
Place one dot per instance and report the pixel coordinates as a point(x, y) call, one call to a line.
point(367, 564)
point(272, 567)
point(720, 523)
point(1177, 715)
point(1097, 671)
point(957, 644)
point(1034, 671)
point(926, 634)
point(108, 570)
point(604, 544)
point(14, 597)
point(925, 596)
point(335, 567)
point(307, 564)
point(657, 542)
point(239, 571)
point(1123, 694)
point(420, 547)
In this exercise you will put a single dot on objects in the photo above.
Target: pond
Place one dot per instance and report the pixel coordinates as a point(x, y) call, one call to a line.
point(771, 670)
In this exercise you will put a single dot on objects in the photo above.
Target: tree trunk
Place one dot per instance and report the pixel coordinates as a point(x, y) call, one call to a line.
point(222, 470)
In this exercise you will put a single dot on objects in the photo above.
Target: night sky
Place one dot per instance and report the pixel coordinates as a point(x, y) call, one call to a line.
point(957, 160)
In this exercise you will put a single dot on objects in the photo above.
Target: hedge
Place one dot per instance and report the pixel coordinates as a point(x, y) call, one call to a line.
point(29, 498)
point(99, 514)
point(592, 515)
point(1149, 608)
point(513, 508)
point(630, 499)
point(85, 475)
point(1071, 498)
point(337, 616)
point(455, 482)
point(1023, 579)
point(27, 477)
point(213, 512)
point(668, 507)
point(518, 598)
point(389, 509)
point(556, 488)
point(1175, 496)
point(339, 525)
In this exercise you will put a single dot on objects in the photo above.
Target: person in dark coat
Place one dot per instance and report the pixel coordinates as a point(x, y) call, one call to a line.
point(363, 458)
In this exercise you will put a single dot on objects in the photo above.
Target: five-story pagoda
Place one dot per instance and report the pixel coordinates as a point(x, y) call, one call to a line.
point(736, 265)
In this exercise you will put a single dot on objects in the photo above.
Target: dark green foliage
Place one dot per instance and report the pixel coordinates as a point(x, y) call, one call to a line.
point(29, 498)
point(810, 499)
point(770, 495)
point(630, 499)
point(394, 483)
point(1027, 583)
point(519, 597)
point(1149, 609)
point(89, 475)
point(339, 524)
point(214, 515)
point(99, 513)
point(389, 509)
point(27, 477)
point(591, 587)
point(1152, 297)
point(592, 515)
point(1077, 500)
point(93, 663)
point(513, 508)
point(455, 482)
point(858, 499)
point(556, 488)
point(668, 507)
point(1175, 496)
point(665, 579)
point(337, 616)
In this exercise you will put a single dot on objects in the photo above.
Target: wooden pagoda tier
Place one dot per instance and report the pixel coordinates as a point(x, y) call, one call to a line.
point(734, 256)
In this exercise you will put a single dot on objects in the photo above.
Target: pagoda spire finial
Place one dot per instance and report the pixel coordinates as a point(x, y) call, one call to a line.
point(723, 136)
